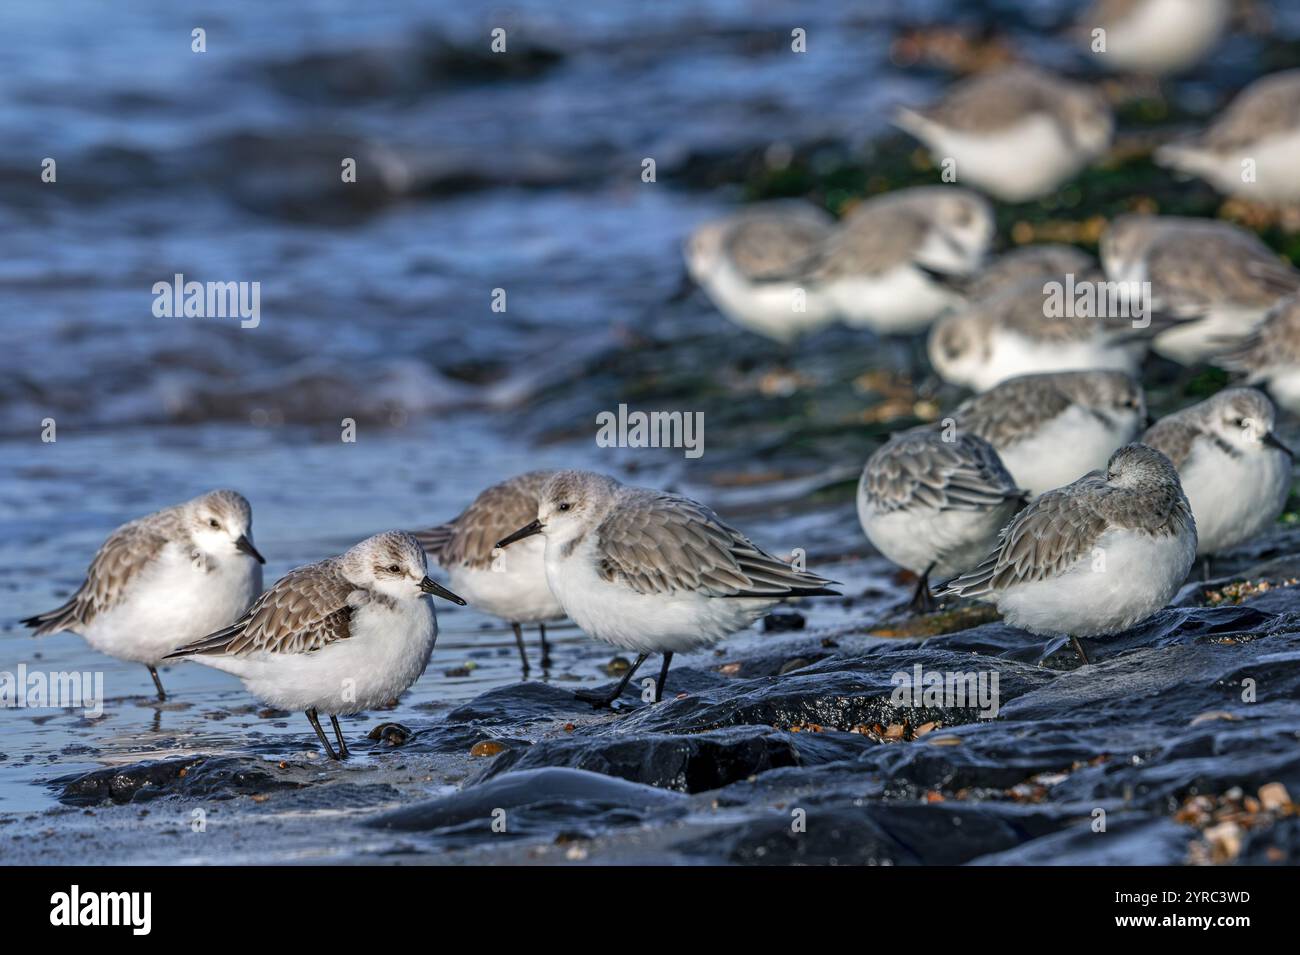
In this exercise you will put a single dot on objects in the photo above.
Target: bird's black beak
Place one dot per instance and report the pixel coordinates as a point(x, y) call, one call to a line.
point(528, 530)
point(1271, 440)
point(431, 586)
point(247, 547)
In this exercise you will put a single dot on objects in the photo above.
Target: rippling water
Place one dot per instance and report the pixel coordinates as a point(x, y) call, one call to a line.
point(375, 297)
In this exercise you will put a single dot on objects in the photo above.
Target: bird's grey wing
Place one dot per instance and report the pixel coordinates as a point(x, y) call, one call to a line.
point(307, 609)
point(1200, 268)
point(502, 509)
point(1172, 436)
point(1057, 529)
point(128, 550)
point(666, 543)
point(1270, 107)
point(770, 247)
point(921, 470)
point(1015, 410)
point(871, 241)
point(991, 102)
point(1275, 341)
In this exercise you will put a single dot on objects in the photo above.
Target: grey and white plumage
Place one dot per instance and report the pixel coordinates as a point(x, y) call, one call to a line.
point(1270, 354)
point(879, 268)
point(1153, 37)
point(163, 580)
point(1097, 556)
point(1012, 333)
point(1216, 279)
point(338, 636)
point(509, 583)
point(1252, 150)
point(752, 266)
point(650, 571)
point(1041, 261)
point(1017, 133)
point(1235, 472)
point(934, 502)
point(1050, 429)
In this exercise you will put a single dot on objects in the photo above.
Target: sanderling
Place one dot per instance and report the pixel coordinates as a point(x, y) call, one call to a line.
point(934, 503)
point(338, 636)
point(163, 580)
point(1012, 333)
point(1017, 133)
point(1043, 261)
point(1094, 557)
point(1235, 472)
point(510, 584)
point(1217, 279)
point(1051, 429)
point(1270, 355)
point(876, 267)
point(1152, 37)
point(653, 572)
point(1253, 149)
point(752, 264)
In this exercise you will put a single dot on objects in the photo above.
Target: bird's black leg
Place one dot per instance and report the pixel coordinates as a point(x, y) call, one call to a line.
point(663, 676)
point(601, 700)
point(324, 741)
point(1078, 648)
point(922, 599)
point(153, 672)
point(546, 647)
point(338, 735)
point(519, 642)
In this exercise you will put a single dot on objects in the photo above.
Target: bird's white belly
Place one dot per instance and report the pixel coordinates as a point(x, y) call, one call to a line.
point(954, 541)
point(388, 650)
point(1233, 499)
point(514, 588)
point(173, 603)
point(1194, 342)
point(1013, 354)
point(646, 623)
point(1125, 579)
point(1023, 161)
point(1164, 36)
point(1063, 450)
point(778, 310)
point(900, 301)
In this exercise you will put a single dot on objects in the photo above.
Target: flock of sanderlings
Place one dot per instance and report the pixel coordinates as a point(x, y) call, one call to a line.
point(1041, 494)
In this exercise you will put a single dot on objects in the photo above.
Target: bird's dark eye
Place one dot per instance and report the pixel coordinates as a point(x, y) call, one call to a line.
point(565, 506)
point(394, 569)
point(214, 523)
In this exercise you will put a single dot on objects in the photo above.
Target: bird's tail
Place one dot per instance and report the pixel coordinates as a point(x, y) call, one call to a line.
point(53, 621)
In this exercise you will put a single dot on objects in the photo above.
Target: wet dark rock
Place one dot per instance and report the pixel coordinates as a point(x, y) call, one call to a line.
point(516, 704)
point(425, 67)
point(783, 622)
point(536, 801)
point(689, 763)
point(390, 734)
point(1278, 844)
point(209, 777)
point(876, 834)
point(1129, 839)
